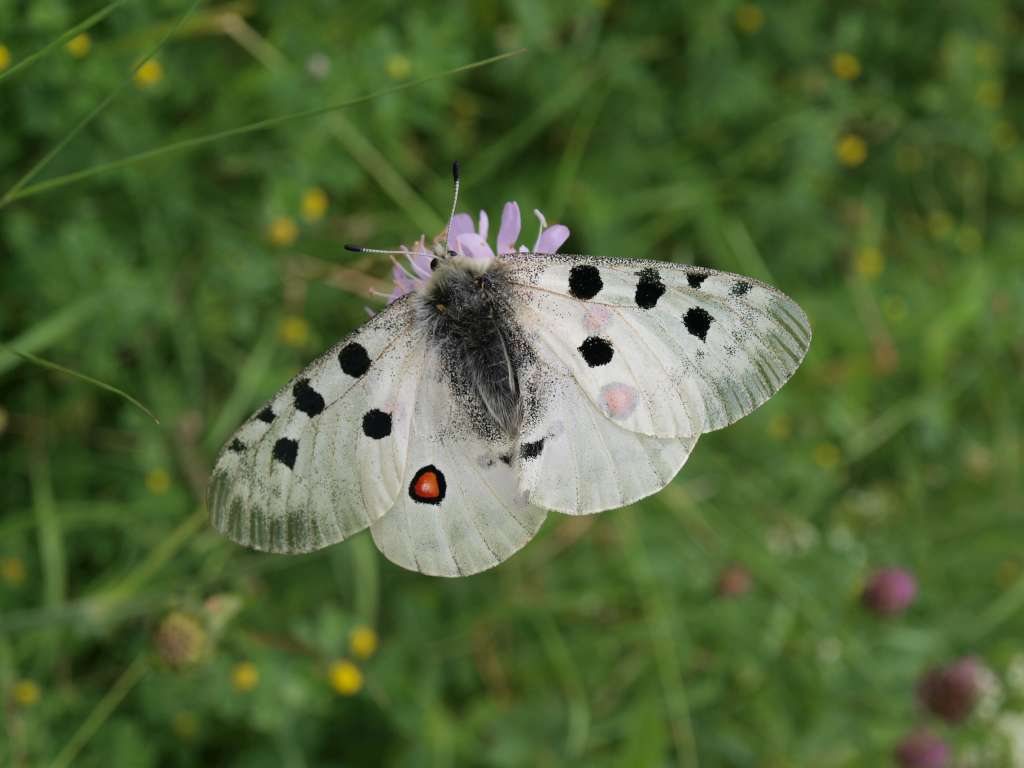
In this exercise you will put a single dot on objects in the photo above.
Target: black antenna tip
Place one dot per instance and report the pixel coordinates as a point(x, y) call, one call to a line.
point(353, 248)
point(455, 170)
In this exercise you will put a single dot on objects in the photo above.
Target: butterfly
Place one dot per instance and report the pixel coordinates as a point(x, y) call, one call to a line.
point(453, 421)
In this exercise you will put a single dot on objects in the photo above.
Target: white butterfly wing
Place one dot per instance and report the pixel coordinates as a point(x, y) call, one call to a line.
point(663, 331)
point(471, 514)
point(326, 456)
point(575, 459)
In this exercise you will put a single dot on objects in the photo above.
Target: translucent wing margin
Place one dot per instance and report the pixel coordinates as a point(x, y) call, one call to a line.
point(325, 457)
point(732, 340)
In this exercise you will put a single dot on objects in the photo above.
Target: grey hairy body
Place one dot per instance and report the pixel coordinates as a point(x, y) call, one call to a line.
point(465, 308)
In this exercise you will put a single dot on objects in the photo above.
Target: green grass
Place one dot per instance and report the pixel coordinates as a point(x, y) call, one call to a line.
point(135, 252)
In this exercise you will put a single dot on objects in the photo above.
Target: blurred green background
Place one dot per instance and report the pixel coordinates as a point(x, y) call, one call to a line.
point(864, 157)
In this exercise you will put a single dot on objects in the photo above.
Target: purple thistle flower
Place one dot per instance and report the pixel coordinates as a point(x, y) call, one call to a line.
point(890, 591)
point(951, 692)
point(472, 243)
point(922, 749)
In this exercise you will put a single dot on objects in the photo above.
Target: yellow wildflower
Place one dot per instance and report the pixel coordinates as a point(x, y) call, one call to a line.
point(362, 641)
point(314, 204)
point(398, 67)
point(869, 262)
point(26, 693)
point(749, 18)
point(851, 150)
point(245, 676)
point(826, 455)
point(12, 570)
point(79, 45)
point(294, 331)
point(283, 231)
point(158, 482)
point(149, 74)
point(345, 677)
point(989, 93)
point(5, 57)
point(845, 66)
point(5, 419)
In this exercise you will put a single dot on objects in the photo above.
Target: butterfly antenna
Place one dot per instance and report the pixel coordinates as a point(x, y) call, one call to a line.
point(455, 202)
point(360, 249)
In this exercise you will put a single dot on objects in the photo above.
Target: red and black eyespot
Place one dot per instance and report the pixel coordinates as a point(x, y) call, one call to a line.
point(428, 485)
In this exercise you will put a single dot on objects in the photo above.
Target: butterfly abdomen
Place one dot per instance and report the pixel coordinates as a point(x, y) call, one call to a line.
point(466, 312)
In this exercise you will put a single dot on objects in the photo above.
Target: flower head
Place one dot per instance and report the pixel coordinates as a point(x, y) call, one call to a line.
point(951, 692)
point(79, 45)
point(149, 74)
point(180, 640)
point(734, 581)
point(471, 242)
point(922, 749)
point(345, 677)
point(26, 693)
point(890, 591)
point(362, 641)
point(245, 676)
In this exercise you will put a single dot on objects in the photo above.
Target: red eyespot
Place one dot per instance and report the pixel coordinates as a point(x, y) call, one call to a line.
point(428, 485)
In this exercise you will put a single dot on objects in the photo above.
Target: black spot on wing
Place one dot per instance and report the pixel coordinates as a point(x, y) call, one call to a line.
point(267, 415)
point(695, 279)
point(585, 281)
point(307, 399)
point(649, 288)
point(740, 288)
point(376, 424)
point(353, 359)
point(596, 351)
point(531, 450)
point(697, 322)
point(236, 445)
point(285, 451)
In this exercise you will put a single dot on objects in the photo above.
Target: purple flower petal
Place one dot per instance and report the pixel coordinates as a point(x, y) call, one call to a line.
point(462, 224)
point(476, 247)
point(508, 233)
point(484, 225)
point(551, 239)
point(421, 264)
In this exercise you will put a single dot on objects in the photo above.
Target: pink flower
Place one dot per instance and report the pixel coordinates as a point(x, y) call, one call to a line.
point(952, 691)
point(922, 749)
point(890, 591)
point(472, 243)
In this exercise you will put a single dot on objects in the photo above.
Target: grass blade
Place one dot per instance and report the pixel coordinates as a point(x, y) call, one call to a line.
point(12, 193)
point(48, 331)
point(82, 26)
point(260, 125)
point(88, 379)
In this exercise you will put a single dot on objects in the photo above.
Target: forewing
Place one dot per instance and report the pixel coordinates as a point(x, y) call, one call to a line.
point(573, 459)
point(326, 456)
point(469, 514)
point(673, 331)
